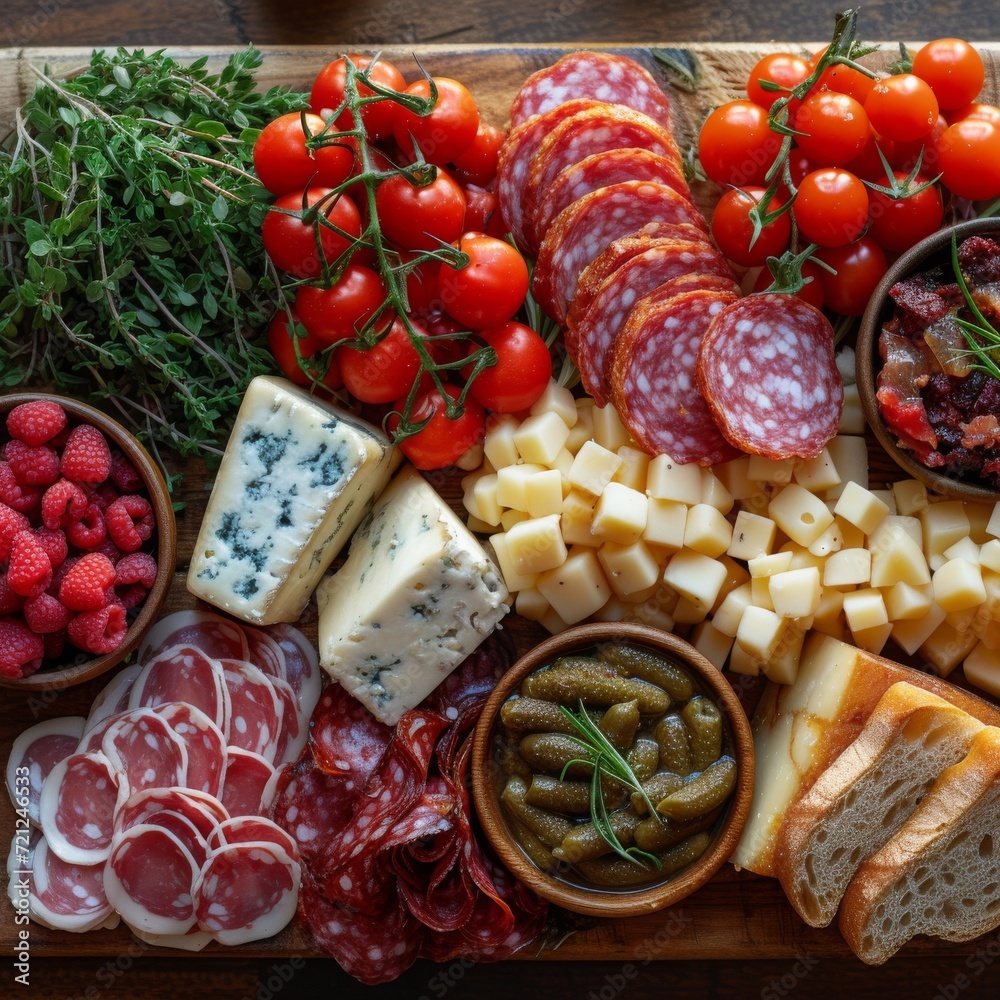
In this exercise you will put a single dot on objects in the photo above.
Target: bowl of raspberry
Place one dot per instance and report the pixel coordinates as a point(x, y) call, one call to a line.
point(88, 542)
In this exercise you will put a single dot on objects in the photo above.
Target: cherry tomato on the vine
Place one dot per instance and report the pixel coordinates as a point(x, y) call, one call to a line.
point(736, 145)
point(812, 289)
point(733, 230)
point(478, 164)
point(896, 224)
point(833, 127)
point(383, 372)
point(860, 266)
point(783, 68)
point(482, 213)
point(490, 289)
point(969, 159)
point(378, 117)
point(975, 109)
point(902, 107)
point(868, 163)
point(843, 79)
point(448, 131)
point(421, 217)
point(441, 441)
point(799, 165)
point(281, 340)
point(832, 207)
point(522, 371)
point(284, 163)
point(953, 69)
point(340, 311)
point(291, 242)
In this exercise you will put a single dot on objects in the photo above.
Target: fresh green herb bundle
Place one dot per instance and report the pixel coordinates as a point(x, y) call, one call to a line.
point(133, 273)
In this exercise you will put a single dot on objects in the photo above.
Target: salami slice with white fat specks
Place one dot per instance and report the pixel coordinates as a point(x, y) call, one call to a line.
point(66, 896)
point(247, 776)
point(145, 752)
point(211, 633)
point(256, 709)
point(114, 697)
point(599, 326)
point(603, 76)
point(33, 756)
point(589, 132)
point(652, 383)
point(585, 229)
point(204, 743)
point(205, 812)
point(768, 371)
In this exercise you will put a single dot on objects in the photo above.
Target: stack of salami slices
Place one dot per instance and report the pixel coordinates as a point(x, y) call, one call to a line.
point(151, 809)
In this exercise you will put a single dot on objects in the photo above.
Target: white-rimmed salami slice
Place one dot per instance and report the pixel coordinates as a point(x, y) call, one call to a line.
point(247, 776)
point(65, 896)
point(293, 732)
point(584, 230)
point(256, 710)
point(652, 380)
point(264, 652)
point(159, 905)
point(77, 808)
point(345, 738)
point(302, 668)
point(204, 743)
point(205, 812)
point(768, 371)
point(603, 76)
point(145, 752)
point(599, 326)
point(184, 673)
point(250, 830)
point(193, 940)
point(211, 633)
point(114, 697)
point(33, 756)
point(247, 892)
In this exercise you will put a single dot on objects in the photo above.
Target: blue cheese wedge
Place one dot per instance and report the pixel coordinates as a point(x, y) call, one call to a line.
point(297, 477)
point(415, 597)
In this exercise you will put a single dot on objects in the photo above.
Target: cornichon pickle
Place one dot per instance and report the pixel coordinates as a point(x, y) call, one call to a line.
point(658, 787)
point(551, 752)
point(620, 723)
point(643, 758)
point(570, 797)
point(550, 829)
point(532, 845)
point(531, 715)
point(571, 686)
point(702, 792)
point(618, 873)
point(511, 762)
point(591, 663)
point(657, 833)
point(648, 666)
point(704, 723)
point(584, 842)
point(672, 737)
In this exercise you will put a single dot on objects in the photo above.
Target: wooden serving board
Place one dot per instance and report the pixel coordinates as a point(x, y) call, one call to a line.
point(738, 915)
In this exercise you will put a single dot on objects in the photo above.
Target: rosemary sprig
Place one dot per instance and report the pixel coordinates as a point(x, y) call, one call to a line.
point(982, 337)
point(607, 762)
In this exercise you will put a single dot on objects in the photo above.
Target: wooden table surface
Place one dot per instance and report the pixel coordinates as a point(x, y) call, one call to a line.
point(135, 972)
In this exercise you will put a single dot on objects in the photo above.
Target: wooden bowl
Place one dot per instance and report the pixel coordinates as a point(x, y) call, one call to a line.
point(928, 253)
point(77, 667)
point(610, 902)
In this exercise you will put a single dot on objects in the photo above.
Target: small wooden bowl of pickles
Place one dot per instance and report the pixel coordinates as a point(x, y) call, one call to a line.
point(613, 769)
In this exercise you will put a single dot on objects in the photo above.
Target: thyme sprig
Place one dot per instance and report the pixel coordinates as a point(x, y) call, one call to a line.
point(982, 337)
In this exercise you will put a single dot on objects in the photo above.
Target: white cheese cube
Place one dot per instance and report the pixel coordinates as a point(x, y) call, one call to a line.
point(416, 595)
point(982, 668)
point(511, 517)
point(557, 399)
point(696, 577)
point(910, 634)
point(873, 639)
point(593, 468)
point(707, 530)
point(848, 567)
point(799, 514)
point(766, 566)
point(714, 492)
point(753, 535)
point(993, 524)
point(498, 445)
point(688, 613)
point(729, 612)
point(958, 585)
point(479, 527)
point(540, 437)
point(743, 663)
point(543, 493)
point(583, 430)
point(989, 555)
point(770, 470)
point(782, 667)
point(832, 540)
point(634, 468)
point(864, 609)
point(628, 568)
point(609, 431)
point(711, 643)
point(887, 497)
point(904, 602)
point(760, 632)
point(296, 478)
point(979, 518)
point(510, 484)
point(943, 525)
point(795, 593)
point(898, 558)
point(734, 476)
point(801, 558)
point(536, 545)
point(861, 507)
point(852, 416)
point(829, 616)
point(852, 537)
point(850, 457)
point(531, 604)
point(665, 524)
point(667, 480)
point(577, 519)
point(911, 496)
point(964, 548)
point(576, 589)
point(760, 591)
point(816, 474)
point(564, 462)
point(553, 623)
point(484, 493)
point(620, 514)
point(946, 647)
point(515, 581)
point(891, 526)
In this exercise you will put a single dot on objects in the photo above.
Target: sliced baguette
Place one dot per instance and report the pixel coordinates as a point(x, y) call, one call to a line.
point(866, 795)
point(940, 873)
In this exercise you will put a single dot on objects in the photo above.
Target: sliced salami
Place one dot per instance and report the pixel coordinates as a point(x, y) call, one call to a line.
point(768, 371)
point(293, 733)
point(247, 776)
point(211, 633)
point(249, 830)
point(204, 812)
point(204, 743)
point(66, 896)
point(193, 940)
point(603, 76)
point(33, 756)
point(652, 378)
point(264, 652)
point(599, 326)
point(587, 133)
point(302, 668)
point(114, 697)
point(145, 752)
point(584, 230)
point(345, 738)
point(256, 711)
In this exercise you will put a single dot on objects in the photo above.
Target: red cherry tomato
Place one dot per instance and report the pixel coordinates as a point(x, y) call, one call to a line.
point(291, 242)
point(481, 211)
point(783, 68)
point(868, 163)
point(896, 224)
point(733, 230)
point(988, 112)
point(478, 164)
point(860, 266)
point(421, 217)
point(490, 289)
point(904, 155)
point(522, 371)
point(736, 145)
point(834, 127)
point(339, 312)
point(385, 371)
point(448, 131)
point(441, 442)
point(377, 117)
point(953, 69)
point(284, 163)
point(282, 342)
point(843, 79)
point(799, 165)
point(902, 107)
point(423, 292)
point(812, 289)
point(832, 207)
point(969, 159)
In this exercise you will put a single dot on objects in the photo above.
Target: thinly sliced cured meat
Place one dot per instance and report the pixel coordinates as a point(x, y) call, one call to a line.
point(203, 742)
point(345, 738)
point(603, 76)
point(65, 896)
point(599, 326)
point(514, 162)
point(768, 371)
point(652, 377)
point(256, 710)
point(293, 733)
point(246, 892)
point(247, 777)
point(184, 673)
point(587, 133)
point(601, 169)
point(160, 905)
point(584, 230)
point(249, 830)
point(204, 812)
point(193, 940)
point(145, 752)
point(302, 670)
point(264, 652)
point(214, 635)
point(114, 697)
point(184, 829)
point(77, 808)
point(33, 756)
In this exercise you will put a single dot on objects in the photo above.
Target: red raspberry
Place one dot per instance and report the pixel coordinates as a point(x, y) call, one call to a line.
point(54, 542)
point(22, 498)
point(62, 504)
point(11, 603)
point(105, 495)
point(86, 457)
point(32, 466)
point(84, 587)
point(124, 475)
point(135, 574)
point(29, 571)
point(60, 574)
point(36, 422)
point(21, 650)
point(101, 631)
point(90, 531)
point(130, 522)
point(44, 614)
point(11, 522)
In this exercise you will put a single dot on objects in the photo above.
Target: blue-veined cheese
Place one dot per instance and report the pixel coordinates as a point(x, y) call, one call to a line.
point(296, 479)
point(415, 597)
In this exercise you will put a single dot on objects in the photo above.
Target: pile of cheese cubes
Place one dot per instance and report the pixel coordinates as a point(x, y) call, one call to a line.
point(744, 558)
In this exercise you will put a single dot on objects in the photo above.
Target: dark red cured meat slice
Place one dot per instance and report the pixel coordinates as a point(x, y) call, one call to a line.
point(293, 733)
point(768, 370)
point(246, 892)
point(302, 669)
point(186, 832)
point(77, 808)
point(345, 738)
point(603, 76)
point(184, 673)
point(584, 230)
point(599, 326)
point(114, 697)
point(34, 753)
point(145, 752)
point(66, 896)
point(247, 775)
point(256, 710)
point(204, 812)
point(214, 635)
point(204, 743)
point(264, 652)
point(601, 169)
point(514, 162)
point(160, 905)
point(652, 378)
point(587, 133)
point(250, 830)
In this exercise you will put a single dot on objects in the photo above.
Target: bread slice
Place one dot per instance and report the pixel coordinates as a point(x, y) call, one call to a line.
point(866, 795)
point(940, 873)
